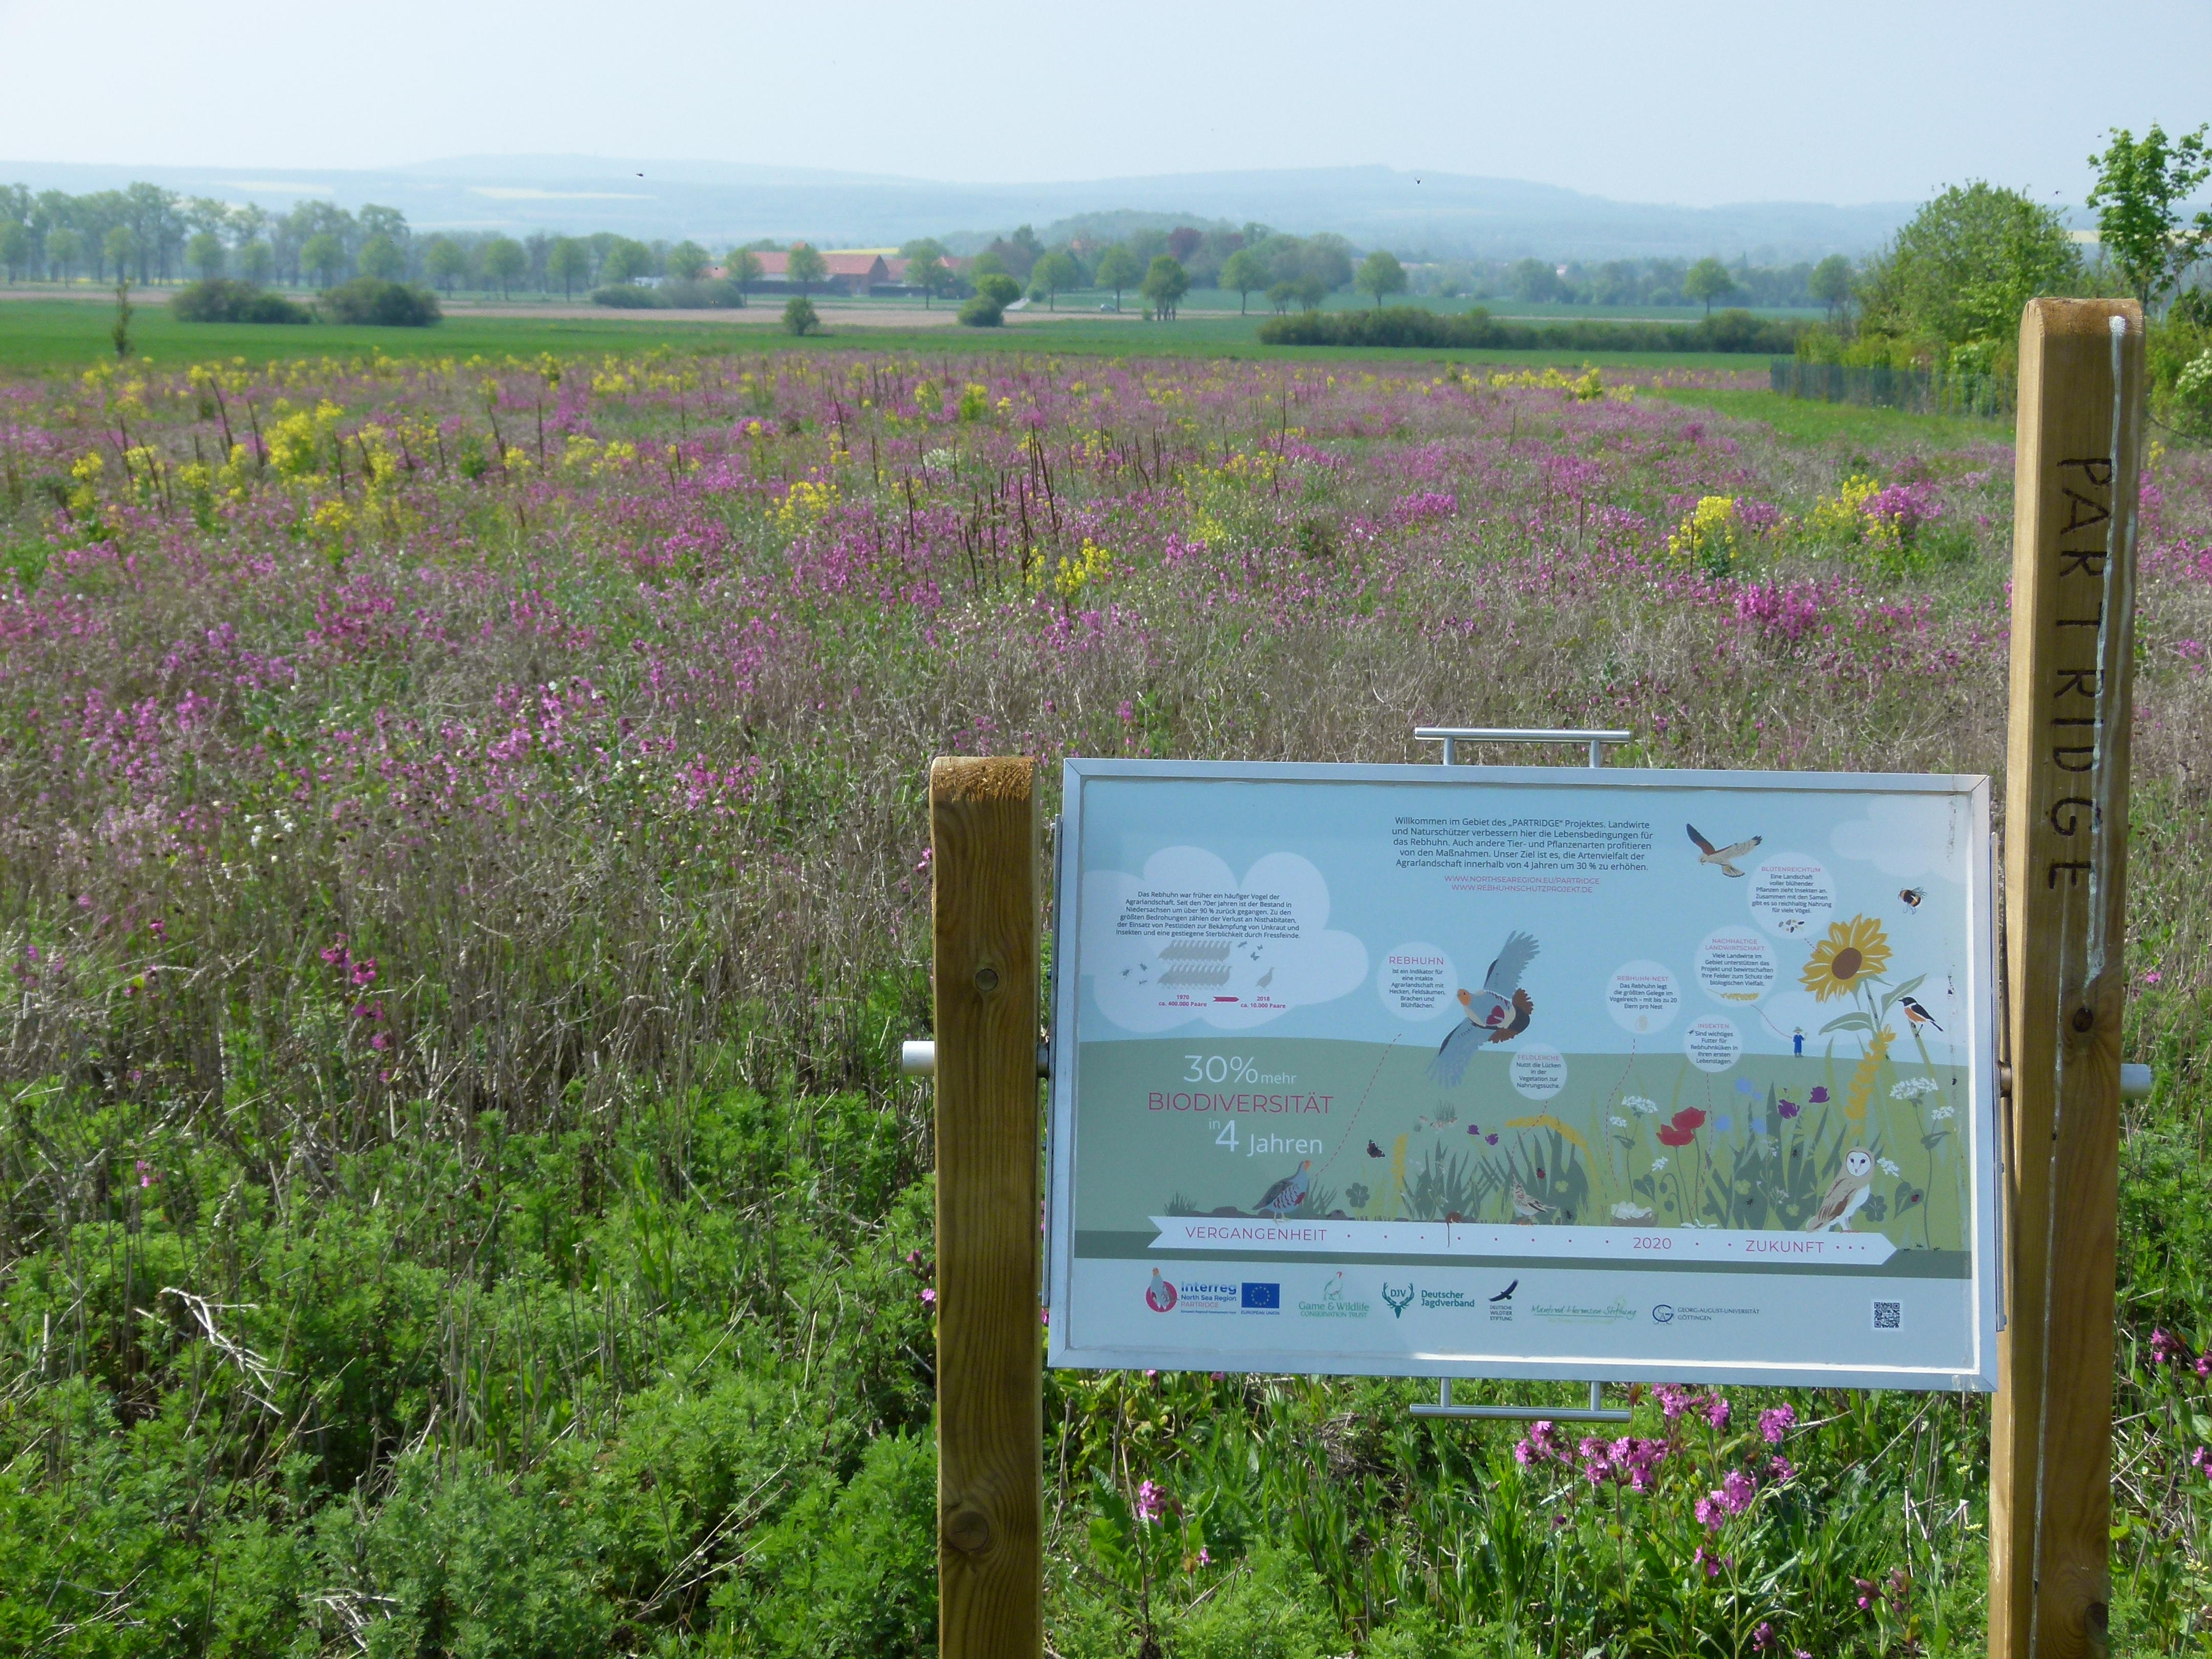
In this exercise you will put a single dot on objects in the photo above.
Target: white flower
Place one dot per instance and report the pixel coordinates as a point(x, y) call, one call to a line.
point(1640, 1103)
point(1888, 1168)
point(1943, 1112)
point(1626, 1210)
point(1657, 1165)
point(1912, 1088)
point(1620, 1123)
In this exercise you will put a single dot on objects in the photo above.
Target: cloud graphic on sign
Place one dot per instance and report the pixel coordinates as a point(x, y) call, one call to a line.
point(1907, 836)
point(1184, 940)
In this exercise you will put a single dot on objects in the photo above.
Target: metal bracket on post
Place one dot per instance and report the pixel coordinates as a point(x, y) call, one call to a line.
point(1452, 736)
point(1596, 1411)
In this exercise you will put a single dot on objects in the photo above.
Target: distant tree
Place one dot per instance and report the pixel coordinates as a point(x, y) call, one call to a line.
point(1025, 248)
point(568, 262)
point(1708, 280)
point(1245, 271)
point(625, 262)
point(1380, 273)
point(120, 246)
point(925, 268)
point(1183, 241)
point(503, 261)
point(324, 255)
point(1118, 268)
point(1831, 282)
point(740, 266)
point(204, 254)
point(1166, 283)
point(1053, 274)
point(800, 316)
point(1325, 259)
point(65, 247)
point(380, 258)
point(687, 262)
point(446, 261)
point(806, 266)
point(15, 247)
point(255, 261)
point(387, 221)
point(2137, 196)
point(1535, 281)
point(1965, 265)
point(989, 263)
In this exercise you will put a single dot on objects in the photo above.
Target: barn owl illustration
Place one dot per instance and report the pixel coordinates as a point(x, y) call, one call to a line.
point(1846, 1194)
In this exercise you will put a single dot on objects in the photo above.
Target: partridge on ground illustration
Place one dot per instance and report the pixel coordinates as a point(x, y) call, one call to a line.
point(1286, 1194)
point(1847, 1195)
point(1725, 857)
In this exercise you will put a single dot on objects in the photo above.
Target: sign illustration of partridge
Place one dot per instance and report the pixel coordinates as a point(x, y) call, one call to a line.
point(1499, 1012)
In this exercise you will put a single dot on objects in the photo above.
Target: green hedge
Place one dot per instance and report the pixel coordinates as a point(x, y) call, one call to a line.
point(1477, 330)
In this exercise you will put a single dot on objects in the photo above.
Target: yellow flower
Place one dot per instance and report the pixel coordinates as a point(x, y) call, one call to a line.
point(1546, 1120)
point(1853, 951)
point(1862, 1083)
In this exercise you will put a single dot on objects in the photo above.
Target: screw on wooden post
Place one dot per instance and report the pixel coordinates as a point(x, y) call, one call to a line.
point(2077, 466)
point(985, 841)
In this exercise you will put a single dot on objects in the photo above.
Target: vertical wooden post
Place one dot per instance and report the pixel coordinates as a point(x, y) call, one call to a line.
point(985, 842)
point(2077, 466)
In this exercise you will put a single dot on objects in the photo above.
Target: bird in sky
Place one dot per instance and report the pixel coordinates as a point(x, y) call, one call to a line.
point(1847, 1195)
point(1286, 1194)
point(1506, 1295)
point(1526, 1209)
point(1725, 857)
point(1915, 1013)
point(1496, 1014)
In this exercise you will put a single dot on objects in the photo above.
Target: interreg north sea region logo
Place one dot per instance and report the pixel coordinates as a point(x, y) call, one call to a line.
point(1334, 1302)
point(1159, 1295)
point(1399, 1300)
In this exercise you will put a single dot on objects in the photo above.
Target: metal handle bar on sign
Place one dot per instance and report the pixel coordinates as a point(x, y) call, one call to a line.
point(1451, 736)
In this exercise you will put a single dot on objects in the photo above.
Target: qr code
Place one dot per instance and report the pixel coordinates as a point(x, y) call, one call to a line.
point(1889, 1316)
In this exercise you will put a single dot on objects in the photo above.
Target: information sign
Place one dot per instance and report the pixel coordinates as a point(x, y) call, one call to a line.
point(1524, 1071)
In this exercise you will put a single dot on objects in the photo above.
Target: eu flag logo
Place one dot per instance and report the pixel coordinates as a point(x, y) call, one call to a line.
point(1265, 1296)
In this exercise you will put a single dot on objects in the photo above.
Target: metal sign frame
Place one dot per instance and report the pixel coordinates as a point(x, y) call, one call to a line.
point(1068, 1345)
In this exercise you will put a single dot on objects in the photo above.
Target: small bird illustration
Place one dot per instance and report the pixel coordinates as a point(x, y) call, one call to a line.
point(1266, 979)
point(1913, 896)
point(1496, 1013)
point(1846, 1194)
point(1723, 856)
point(1286, 1194)
point(1373, 1150)
point(1506, 1295)
point(1526, 1209)
point(1915, 1013)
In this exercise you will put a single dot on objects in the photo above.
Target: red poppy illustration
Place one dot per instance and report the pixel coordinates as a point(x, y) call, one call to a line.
point(1684, 1128)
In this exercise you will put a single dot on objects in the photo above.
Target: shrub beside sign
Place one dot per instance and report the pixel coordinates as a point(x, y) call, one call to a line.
point(1490, 1072)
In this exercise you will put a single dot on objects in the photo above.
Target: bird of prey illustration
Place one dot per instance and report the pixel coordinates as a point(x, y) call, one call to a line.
point(1915, 1013)
point(1506, 1295)
point(1723, 856)
point(1847, 1193)
point(1526, 1209)
point(1286, 1194)
point(1499, 1012)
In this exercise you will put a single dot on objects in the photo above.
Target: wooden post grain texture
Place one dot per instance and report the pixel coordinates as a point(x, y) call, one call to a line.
point(985, 841)
point(2077, 468)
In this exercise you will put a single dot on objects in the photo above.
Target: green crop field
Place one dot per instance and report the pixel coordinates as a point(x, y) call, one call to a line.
point(46, 334)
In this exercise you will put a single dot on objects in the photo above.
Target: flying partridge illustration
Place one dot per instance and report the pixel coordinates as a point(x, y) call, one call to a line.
point(1723, 856)
point(1499, 1012)
point(1526, 1208)
point(1846, 1196)
point(1286, 1194)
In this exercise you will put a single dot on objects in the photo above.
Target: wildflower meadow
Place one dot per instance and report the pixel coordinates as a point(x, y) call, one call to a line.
point(464, 880)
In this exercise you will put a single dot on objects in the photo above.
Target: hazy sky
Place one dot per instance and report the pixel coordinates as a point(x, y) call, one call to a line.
point(1876, 100)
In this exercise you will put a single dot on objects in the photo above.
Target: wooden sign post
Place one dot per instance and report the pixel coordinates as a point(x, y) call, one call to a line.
point(984, 841)
point(2077, 466)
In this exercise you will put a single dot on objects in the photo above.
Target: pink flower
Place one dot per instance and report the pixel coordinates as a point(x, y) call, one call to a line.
point(334, 953)
point(1151, 1503)
point(2153, 977)
point(1763, 1638)
point(1711, 1513)
point(158, 928)
point(1781, 1468)
point(146, 1175)
point(1819, 1095)
point(1673, 1401)
point(928, 1298)
point(1711, 1564)
point(1773, 1425)
point(1737, 1491)
point(1717, 1412)
point(364, 970)
point(380, 1042)
point(1205, 1559)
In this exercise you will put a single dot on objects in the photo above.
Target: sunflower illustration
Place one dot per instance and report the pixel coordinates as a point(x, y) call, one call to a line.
point(1853, 951)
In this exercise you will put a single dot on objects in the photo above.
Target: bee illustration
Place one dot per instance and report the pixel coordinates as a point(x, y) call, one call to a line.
point(1913, 896)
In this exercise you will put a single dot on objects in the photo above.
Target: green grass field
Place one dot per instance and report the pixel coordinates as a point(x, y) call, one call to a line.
point(43, 335)
point(1803, 421)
